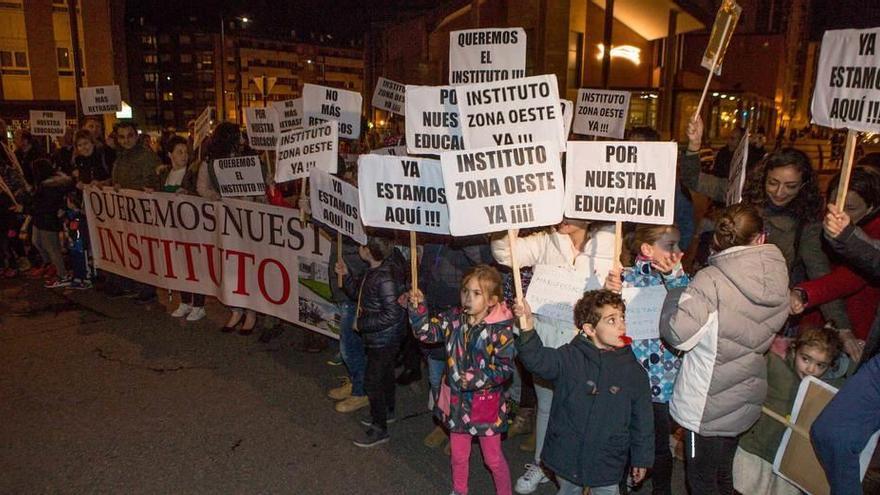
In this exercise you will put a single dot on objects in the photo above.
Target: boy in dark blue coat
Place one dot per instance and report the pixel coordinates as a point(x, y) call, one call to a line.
point(601, 415)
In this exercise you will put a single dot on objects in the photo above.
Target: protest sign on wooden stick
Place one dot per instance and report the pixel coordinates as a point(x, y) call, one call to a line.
point(725, 23)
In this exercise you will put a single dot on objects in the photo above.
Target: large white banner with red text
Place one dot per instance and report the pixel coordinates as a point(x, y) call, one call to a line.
point(245, 254)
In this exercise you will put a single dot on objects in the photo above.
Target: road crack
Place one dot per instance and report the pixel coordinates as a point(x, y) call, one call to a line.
point(156, 369)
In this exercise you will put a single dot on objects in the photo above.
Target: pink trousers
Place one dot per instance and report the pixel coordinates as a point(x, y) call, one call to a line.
point(460, 447)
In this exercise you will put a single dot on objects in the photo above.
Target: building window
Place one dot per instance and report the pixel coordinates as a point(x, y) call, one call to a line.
point(6, 59)
point(185, 39)
point(21, 59)
point(150, 59)
point(187, 95)
point(149, 95)
point(63, 58)
point(168, 115)
point(148, 40)
point(168, 96)
point(575, 59)
point(149, 77)
point(186, 58)
point(165, 58)
point(164, 38)
point(207, 59)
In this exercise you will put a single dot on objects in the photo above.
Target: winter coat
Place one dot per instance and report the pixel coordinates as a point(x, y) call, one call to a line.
point(661, 363)
point(861, 296)
point(27, 159)
point(601, 415)
point(553, 248)
point(47, 201)
point(94, 167)
point(136, 168)
point(480, 360)
point(381, 321)
point(188, 184)
point(726, 318)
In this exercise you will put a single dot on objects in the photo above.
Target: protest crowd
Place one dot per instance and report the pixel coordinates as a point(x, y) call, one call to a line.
point(590, 316)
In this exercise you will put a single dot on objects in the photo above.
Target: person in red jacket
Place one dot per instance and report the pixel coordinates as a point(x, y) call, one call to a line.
point(861, 296)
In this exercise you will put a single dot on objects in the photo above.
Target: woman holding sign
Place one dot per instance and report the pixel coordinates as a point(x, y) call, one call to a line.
point(588, 251)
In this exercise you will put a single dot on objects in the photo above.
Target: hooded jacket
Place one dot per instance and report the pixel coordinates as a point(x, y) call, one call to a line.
point(726, 320)
point(601, 415)
point(47, 201)
point(381, 321)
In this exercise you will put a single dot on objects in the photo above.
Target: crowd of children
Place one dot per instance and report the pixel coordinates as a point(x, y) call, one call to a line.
point(732, 341)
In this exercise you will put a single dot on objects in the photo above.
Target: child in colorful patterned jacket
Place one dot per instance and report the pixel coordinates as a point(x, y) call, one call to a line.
point(479, 346)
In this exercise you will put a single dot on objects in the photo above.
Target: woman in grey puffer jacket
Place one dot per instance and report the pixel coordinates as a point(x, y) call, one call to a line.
point(725, 319)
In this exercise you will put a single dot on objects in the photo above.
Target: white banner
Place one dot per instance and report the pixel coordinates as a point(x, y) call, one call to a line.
point(511, 112)
point(98, 100)
point(554, 290)
point(433, 124)
point(290, 114)
point(402, 193)
point(240, 176)
point(601, 113)
point(621, 181)
point(736, 179)
point(300, 151)
point(246, 254)
point(47, 123)
point(508, 187)
point(322, 104)
point(567, 117)
point(262, 127)
point(643, 305)
point(335, 203)
point(486, 55)
point(389, 96)
point(847, 90)
point(202, 126)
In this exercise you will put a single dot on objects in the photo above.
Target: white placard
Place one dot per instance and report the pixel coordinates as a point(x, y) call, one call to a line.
point(486, 55)
point(47, 123)
point(510, 112)
point(507, 187)
point(722, 30)
point(300, 151)
point(98, 100)
point(554, 290)
point(567, 117)
point(321, 104)
point(643, 306)
point(736, 179)
point(202, 126)
point(847, 90)
point(601, 113)
point(262, 127)
point(621, 181)
point(433, 124)
point(240, 176)
point(335, 203)
point(390, 150)
point(290, 114)
point(389, 96)
point(403, 193)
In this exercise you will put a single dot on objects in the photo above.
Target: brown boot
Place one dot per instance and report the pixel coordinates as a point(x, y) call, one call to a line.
point(352, 404)
point(341, 392)
point(523, 423)
point(528, 445)
point(436, 438)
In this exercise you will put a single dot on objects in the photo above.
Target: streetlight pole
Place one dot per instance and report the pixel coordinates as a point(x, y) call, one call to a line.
point(222, 68)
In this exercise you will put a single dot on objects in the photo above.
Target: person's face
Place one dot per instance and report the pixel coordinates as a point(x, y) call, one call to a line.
point(609, 329)
point(126, 137)
point(20, 142)
point(569, 226)
point(811, 361)
point(665, 247)
point(783, 184)
point(179, 156)
point(84, 147)
point(93, 127)
point(855, 206)
point(759, 140)
point(364, 253)
point(475, 302)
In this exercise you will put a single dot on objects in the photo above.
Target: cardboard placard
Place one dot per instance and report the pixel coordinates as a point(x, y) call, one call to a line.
point(403, 193)
point(602, 113)
point(98, 100)
point(47, 123)
point(240, 176)
point(643, 307)
point(202, 126)
point(503, 113)
point(336, 204)
point(486, 55)
point(262, 127)
point(554, 290)
point(847, 92)
point(621, 181)
point(722, 30)
point(390, 150)
point(433, 123)
point(736, 179)
point(322, 104)
point(507, 187)
point(567, 117)
point(298, 152)
point(389, 96)
point(290, 114)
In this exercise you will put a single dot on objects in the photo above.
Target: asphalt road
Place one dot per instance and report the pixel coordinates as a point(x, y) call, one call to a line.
point(105, 396)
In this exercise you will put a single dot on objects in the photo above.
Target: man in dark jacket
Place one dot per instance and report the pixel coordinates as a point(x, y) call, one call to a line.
point(601, 416)
point(27, 151)
point(381, 321)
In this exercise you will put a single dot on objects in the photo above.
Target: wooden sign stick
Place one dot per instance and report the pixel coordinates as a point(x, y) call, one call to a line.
point(413, 259)
point(303, 218)
point(339, 257)
point(846, 167)
point(514, 265)
point(618, 243)
point(778, 417)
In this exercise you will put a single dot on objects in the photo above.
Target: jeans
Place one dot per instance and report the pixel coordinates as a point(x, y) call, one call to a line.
point(460, 454)
point(379, 383)
point(842, 430)
point(79, 264)
point(542, 419)
point(49, 246)
point(568, 488)
point(661, 478)
point(351, 347)
point(436, 368)
point(709, 463)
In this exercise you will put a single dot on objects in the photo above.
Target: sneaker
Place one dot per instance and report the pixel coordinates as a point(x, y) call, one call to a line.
point(390, 418)
point(336, 360)
point(182, 310)
point(196, 314)
point(341, 392)
point(529, 481)
point(58, 283)
point(371, 437)
point(352, 403)
point(81, 284)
